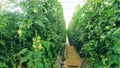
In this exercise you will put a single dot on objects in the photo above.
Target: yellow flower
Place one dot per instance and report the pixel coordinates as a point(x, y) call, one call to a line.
point(38, 41)
point(38, 37)
point(20, 32)
point(40, 47)
point(34, 46)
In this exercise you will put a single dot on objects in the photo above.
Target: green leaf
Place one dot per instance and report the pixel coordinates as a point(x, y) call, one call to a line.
point(26, 58)
point(116, 47)
point(116, 34)
point(40, 23)
point(39, 65)
point(22, 51)
point(2, 42)
point(46, 65)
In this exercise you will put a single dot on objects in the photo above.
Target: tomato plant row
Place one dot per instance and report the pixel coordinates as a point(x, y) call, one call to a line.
point(33, 38)
point(95, 32)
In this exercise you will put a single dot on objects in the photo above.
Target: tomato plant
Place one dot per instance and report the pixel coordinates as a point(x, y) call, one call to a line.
point(33, 37)
point(94, 31)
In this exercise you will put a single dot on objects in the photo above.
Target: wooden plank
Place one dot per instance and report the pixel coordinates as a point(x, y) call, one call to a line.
point(72, 57)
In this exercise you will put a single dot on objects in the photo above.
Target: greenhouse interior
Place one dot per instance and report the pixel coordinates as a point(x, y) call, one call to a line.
point(59, 33)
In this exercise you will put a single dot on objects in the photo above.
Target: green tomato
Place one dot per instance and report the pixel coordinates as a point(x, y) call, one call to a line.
point(35, 10)
point(107, 27)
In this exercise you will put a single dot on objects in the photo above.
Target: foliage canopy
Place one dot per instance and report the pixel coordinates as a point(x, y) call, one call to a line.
point(33, 37)
point(95, 30)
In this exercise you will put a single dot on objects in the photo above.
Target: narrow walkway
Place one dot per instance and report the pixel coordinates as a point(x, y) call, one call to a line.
point(71, 58)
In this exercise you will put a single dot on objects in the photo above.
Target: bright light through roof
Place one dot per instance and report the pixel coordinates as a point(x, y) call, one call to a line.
point(69, 8)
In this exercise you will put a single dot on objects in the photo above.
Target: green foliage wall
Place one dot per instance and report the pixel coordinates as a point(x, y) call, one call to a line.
point(33, 38)
point(94, 31)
